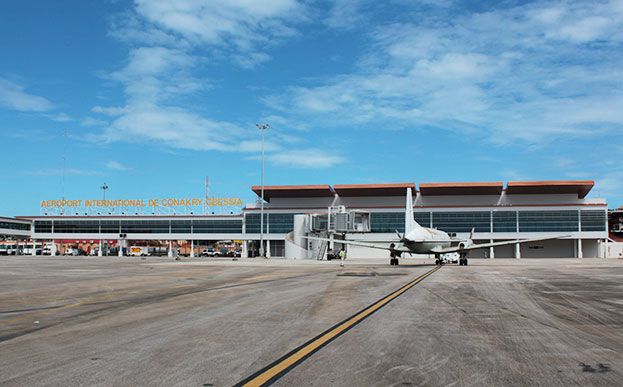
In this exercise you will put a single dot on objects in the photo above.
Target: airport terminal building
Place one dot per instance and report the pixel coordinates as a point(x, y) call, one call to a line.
point(497, 211)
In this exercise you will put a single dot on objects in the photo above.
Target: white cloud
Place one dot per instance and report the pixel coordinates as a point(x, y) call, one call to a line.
point(157, 77)
point(59, 172)
point(13, 96)
point(518, 73)
point(251, 60)
point(239, 22)
point(111, 111)
point(61, 117)
point(305, 158)
point(117, 166)
point(90, 121)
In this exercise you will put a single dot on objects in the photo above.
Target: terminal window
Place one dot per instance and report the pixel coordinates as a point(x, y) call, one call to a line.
point(593, 220)
point(387, 221)
point(545, 221)
point(252, 222)
point(462, 221)
point(214, 226)
point(504, 221)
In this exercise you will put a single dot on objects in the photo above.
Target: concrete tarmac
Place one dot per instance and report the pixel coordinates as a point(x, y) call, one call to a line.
point(75, 321)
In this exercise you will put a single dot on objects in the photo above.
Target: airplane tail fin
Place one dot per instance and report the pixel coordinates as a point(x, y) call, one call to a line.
point(410, 223)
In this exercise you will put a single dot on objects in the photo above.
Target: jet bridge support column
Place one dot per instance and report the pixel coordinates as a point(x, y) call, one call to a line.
point(491, 250)
point(580, 252)
point(518, 250)
point(192, 248)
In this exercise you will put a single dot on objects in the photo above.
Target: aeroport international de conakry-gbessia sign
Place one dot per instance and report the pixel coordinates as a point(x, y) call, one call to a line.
point(142, 202)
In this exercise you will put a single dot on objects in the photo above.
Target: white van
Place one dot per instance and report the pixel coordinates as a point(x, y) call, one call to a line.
point(139, 251)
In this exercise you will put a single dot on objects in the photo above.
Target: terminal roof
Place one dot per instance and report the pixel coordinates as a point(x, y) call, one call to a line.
point(486, 188)
point(293, 191)
point(394, 189)
point(581, 187)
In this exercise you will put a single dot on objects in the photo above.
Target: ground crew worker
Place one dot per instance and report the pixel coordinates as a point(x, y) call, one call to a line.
point(342, 256)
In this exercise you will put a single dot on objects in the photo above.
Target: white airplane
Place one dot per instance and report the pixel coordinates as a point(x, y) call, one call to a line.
point(423, 240)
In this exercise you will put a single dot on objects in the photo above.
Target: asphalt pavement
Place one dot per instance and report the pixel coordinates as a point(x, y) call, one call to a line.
point(124, 321)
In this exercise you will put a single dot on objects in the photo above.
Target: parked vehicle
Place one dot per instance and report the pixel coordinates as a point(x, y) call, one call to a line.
point(209, 252)
point(139, 251)
point(74, 251)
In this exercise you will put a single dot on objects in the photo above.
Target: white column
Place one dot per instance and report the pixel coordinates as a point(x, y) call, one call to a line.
point(53, 250)
point(245, 249)
point(120, 244)
point(267, 248)
point(170, 253)
point(192, 248)
point(491, 250)
point(331, 242)
point(99, 250)
point(517, 250)
point(580, 252)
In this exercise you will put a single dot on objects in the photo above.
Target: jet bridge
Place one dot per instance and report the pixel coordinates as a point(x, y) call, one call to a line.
point(333, 225)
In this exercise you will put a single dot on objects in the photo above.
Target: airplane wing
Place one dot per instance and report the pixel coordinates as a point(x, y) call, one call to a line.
point(453, 249)
point(398, 246)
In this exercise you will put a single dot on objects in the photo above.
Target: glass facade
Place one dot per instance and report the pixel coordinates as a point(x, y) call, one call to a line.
point(387, 222)
point(213, 226)
point(281, 223)
point(76, 226)
point(14, 226)
point(593, 220)
point(422, 218)
point(144, 226)
point(380, 222)
point(252, 223)
point(544, 221)
point(504, 221)
point(109, 227)
point(181, 226)
point(462, 221)
point(160, 226)
point(43, 226)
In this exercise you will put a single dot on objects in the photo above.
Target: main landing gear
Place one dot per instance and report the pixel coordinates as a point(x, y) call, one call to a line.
point(463, 259)
point(393, 260)
point(438, 260)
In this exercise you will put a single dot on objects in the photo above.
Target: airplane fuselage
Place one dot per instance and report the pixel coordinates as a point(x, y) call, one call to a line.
point(422, 240)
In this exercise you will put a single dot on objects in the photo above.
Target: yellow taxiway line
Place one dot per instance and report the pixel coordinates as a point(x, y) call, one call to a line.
point(275, 370)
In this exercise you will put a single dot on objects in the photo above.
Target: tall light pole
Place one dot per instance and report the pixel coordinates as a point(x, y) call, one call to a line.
point(104, 188)
point(262, 128)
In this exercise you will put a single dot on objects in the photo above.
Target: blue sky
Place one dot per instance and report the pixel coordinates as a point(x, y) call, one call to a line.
point(157, 95)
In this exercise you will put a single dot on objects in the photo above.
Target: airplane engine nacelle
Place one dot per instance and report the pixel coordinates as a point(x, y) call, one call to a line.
point(465, 243)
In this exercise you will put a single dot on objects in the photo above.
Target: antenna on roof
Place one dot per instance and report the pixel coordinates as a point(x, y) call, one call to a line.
point(64, 166)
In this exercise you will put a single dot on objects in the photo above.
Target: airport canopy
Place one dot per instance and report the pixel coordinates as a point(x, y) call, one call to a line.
point(486, 188)
point(394, 189)
point(580, 187)
point(293, 191)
